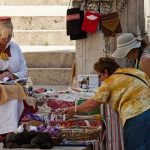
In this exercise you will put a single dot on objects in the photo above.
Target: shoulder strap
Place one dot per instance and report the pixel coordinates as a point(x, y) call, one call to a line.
point(140, 52)
point(69, 4)
point(132, 75)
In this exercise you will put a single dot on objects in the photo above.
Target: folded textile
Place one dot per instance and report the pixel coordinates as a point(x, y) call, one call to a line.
point(9, 92)
point(55, 104)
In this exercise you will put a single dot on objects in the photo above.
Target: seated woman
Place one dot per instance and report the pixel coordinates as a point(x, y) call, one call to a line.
point(13, 65)
point(127, 91)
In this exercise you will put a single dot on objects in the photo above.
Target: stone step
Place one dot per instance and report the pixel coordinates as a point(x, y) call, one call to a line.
point(34, 2)
point(39, 23)
point(39, 48)
point(55, 59)
point(42, 37)
point(33, 10)
point(50, 76)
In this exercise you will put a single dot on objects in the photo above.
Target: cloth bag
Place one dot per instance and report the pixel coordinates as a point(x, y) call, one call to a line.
point(82, 34)
point(111, 24)
point(91, 21)
point(91, 18)
point(74, 22)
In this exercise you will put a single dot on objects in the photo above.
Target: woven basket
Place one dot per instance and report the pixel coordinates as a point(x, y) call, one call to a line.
point(81, 133)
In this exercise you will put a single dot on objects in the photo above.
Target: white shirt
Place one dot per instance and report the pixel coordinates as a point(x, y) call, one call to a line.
point(11, 111)
point(16, 63)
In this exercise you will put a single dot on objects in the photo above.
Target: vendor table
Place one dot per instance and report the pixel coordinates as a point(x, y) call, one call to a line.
point(71, 148)
point(54, 148)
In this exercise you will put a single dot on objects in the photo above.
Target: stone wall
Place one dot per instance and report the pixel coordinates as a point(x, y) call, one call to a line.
point(33, 2)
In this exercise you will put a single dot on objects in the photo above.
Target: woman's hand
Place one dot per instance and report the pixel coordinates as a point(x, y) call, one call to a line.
point(7, 74)
point(68, 111)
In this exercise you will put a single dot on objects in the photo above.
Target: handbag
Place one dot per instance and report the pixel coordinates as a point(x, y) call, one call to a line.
point(91, 20)
point(74, 22)
point(82, 34)
point(110, 24)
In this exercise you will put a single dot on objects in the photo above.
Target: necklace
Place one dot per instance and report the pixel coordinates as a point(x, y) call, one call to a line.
point(3, 54)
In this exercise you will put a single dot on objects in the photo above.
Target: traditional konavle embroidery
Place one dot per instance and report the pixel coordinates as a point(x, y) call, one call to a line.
point(3, 56)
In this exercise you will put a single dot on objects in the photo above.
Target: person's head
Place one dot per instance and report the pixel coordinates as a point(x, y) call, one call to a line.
point(104, 67)
point(128, 46)
point(6, 30)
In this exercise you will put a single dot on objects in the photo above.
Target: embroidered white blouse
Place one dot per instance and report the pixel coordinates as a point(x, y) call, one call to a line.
point(17, 63)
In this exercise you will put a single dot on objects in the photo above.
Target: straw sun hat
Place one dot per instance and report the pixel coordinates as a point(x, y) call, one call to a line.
point(125, 43)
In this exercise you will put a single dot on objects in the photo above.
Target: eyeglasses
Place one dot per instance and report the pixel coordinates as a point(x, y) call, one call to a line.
point(100, 74)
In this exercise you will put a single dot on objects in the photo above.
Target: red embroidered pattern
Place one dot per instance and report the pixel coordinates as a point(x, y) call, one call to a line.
point(73, 17)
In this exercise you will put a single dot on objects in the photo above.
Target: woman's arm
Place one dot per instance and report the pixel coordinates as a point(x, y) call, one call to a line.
point(22, 73)
point(87, 106)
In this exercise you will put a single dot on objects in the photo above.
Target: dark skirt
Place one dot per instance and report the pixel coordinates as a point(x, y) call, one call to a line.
point(137, 132)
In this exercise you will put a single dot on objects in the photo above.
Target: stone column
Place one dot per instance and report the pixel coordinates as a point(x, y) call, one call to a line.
point(147, 15)
point(88, 51)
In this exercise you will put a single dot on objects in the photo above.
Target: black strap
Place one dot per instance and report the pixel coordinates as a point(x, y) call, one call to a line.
point(84, 7)
point(69, 4)
point(99, 6)
point(132, 75)
point(140, 52)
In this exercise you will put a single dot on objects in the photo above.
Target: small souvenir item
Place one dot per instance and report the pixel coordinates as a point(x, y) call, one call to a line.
point(25, 122)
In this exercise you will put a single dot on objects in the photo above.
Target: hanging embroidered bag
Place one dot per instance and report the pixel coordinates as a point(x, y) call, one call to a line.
point(111, 24)
point(74, 22)
point(82, 34)
point(91, 20)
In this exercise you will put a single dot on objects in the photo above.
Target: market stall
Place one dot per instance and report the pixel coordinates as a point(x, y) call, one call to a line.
point(81, 131)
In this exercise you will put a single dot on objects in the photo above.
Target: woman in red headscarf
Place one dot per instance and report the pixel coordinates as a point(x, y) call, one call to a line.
point(12, 66)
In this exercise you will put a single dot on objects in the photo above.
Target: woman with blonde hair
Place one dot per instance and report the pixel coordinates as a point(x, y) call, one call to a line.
point(12, 66)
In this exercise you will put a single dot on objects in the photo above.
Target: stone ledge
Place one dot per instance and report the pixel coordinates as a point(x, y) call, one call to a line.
point(33, 10)
point(39, 23)
point(34, 2)
point(62, 59)
point(42, 37)
point(39, 48)
point(50, 76)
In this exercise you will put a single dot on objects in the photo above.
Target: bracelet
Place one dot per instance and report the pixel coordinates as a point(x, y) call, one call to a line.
point(75, 109)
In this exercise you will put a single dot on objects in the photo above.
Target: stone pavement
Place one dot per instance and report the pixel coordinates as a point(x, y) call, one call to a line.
point(55, 148)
